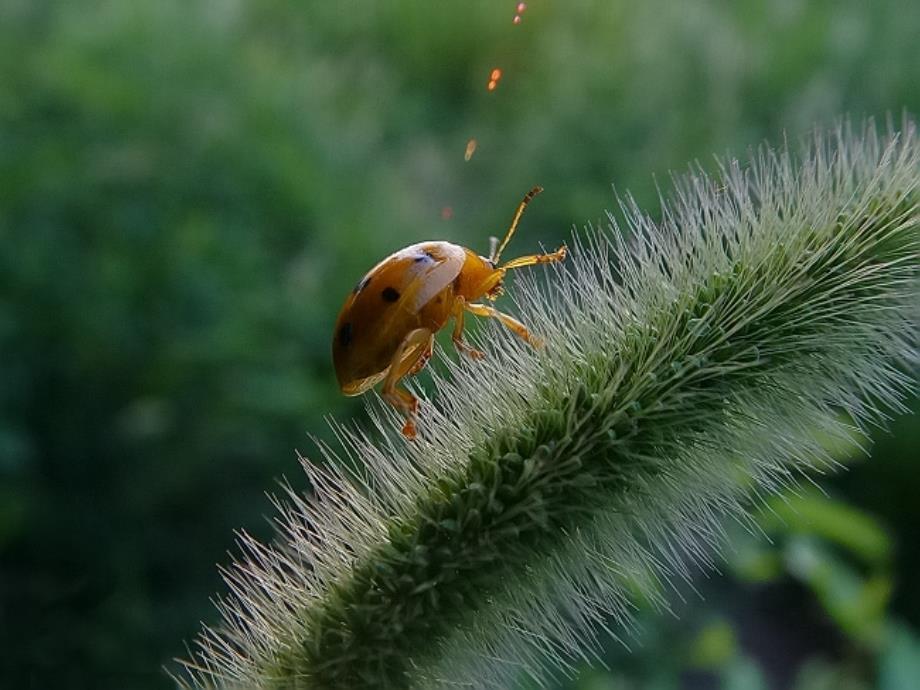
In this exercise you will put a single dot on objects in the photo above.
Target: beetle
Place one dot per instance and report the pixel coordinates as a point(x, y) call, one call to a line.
point(385, 330)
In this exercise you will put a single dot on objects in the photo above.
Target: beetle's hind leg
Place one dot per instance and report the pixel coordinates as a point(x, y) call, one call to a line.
point(410, 357)
point(510, 322)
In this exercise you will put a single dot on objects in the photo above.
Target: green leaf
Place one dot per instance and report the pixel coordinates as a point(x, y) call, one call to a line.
point(835, 521)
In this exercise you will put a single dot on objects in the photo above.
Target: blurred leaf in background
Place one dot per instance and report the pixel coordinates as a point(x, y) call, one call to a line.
point(187, 192)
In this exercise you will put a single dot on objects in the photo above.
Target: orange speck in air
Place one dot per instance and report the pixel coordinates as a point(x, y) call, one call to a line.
point(470, 149)
point(495, 75)
point(447, 213)
point(521, 8)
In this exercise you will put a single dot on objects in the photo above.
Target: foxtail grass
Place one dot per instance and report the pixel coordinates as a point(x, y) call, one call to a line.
point(690, 366)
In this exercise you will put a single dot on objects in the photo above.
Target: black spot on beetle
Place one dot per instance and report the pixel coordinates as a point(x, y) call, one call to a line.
point(363, 284)
point(345, 334)
point(389, 294)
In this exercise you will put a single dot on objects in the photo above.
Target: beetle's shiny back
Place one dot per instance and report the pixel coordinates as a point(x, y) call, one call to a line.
point(413, 288)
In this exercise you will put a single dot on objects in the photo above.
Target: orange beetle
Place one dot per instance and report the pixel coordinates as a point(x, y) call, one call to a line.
point(386, 327)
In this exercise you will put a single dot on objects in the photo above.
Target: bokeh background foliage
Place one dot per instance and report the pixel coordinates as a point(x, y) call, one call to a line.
point(188, 190)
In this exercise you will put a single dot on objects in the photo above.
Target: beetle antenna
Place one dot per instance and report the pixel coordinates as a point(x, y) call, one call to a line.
point(514, 222)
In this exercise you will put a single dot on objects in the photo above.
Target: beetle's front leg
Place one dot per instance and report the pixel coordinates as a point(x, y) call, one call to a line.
point(521, 261)
point(510, 322)
point(460, 305)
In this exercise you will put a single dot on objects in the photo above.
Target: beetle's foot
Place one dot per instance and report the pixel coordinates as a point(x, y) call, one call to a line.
point(471, 352)
point(409, 430)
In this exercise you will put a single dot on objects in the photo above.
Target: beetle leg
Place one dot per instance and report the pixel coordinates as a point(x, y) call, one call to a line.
point(510, 322)
point(459, 305)
point(410, 352)
point(555, 256)
point(491, 287)
point(423, 358)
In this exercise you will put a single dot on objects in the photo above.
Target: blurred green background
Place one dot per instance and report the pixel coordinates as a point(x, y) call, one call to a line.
point(187, 193)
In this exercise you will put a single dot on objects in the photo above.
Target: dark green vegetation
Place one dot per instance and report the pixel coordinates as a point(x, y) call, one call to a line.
point(187, 192)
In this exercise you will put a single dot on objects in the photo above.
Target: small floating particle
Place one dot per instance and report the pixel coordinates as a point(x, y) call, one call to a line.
point(447, 213)
point(494, 76)
point(470, 149)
